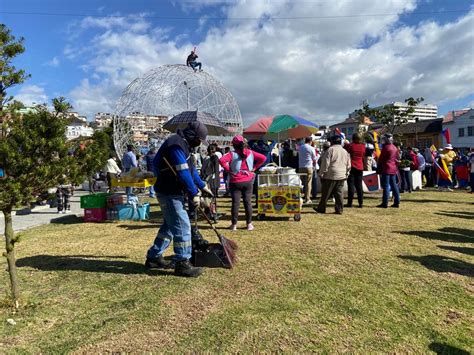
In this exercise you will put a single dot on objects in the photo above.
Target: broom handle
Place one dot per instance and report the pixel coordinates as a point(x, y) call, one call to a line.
point(198, 207)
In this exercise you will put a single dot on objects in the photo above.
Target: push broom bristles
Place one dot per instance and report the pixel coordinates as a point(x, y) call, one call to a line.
point(230, 248)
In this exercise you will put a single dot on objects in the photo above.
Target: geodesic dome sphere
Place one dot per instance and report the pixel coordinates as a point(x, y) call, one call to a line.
point(172, 89)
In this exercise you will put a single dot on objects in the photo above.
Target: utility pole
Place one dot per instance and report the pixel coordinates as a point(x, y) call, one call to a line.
point(416, 131)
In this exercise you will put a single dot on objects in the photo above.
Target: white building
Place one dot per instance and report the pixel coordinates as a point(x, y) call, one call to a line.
point(77, 128)
point(103, 120)
point(142, 125)
point(461, 128)
point(422, 111)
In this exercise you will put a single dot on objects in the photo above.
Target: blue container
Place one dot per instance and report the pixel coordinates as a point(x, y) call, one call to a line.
point(129, 213)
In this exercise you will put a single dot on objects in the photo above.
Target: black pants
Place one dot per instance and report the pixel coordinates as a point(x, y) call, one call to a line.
point(329, 187)
point(428, 173)
point(244, 190)
point(406, 180)
point(63, 194)
point(110, 176)
point(355, 182)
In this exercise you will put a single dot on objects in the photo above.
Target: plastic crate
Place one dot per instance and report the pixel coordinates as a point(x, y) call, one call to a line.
point(95, 214)
point(129, 213)
point(98, 200)
point(115, 200)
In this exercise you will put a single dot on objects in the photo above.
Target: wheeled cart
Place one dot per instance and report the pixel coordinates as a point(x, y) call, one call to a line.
point(279, 194)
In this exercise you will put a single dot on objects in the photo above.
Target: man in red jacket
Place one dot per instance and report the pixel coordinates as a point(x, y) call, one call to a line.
point(387, 169)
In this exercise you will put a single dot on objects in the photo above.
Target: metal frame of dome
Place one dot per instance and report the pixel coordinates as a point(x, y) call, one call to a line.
point(169, 90)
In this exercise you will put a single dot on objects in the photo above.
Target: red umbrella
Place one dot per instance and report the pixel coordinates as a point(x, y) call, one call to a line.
point(259, 128)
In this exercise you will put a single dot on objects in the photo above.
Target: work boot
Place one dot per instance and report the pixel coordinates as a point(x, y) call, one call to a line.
point(158, 263)
point(186, 269)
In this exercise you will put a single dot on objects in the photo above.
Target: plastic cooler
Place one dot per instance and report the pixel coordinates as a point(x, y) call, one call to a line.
point(129, 213)
point(95, 214)
point(98, 200)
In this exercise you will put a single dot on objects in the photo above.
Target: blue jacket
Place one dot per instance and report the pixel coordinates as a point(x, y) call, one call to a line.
point(176, 151)
point(129, 161)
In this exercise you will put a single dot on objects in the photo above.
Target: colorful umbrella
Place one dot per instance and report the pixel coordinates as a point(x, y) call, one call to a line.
point(259, 128)
point(288, 126)
point(280, 127)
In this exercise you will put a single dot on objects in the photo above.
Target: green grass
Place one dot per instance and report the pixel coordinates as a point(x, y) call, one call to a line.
point(395, 280)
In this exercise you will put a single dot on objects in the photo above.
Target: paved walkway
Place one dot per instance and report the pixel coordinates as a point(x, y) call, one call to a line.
point(43, 214)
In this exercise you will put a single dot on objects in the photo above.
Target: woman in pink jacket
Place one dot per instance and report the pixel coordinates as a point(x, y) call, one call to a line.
point(241, 164)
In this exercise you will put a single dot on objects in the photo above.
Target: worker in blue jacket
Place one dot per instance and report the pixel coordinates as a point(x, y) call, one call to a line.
point(172, 158)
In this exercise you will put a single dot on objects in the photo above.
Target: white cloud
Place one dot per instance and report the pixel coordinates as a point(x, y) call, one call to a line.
point(31, 94)
point(54, 62)
point(319, 68)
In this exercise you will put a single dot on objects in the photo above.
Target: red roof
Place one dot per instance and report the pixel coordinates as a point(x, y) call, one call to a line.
point(449, 116)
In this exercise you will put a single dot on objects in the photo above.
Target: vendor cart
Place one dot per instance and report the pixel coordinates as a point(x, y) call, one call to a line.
point(279, 194)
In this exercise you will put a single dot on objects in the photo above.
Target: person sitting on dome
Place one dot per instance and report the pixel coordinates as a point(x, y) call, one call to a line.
point(191, 61)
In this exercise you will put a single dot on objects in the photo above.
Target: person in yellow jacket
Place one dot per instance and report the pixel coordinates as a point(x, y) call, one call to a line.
point(449, 156)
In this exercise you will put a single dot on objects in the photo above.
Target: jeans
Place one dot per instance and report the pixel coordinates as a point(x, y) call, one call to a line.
point(194, 65)
point(471, 177)
point(244, 190)
point(151, 191)
point(406, 180)
point(176, 227)
point(128, 190)
point(389, 182)
point(354, 182)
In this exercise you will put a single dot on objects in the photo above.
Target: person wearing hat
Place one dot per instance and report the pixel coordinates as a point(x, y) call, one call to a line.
point(241, 165)
point(449, 156)
point(176, 177)
point(387, 169)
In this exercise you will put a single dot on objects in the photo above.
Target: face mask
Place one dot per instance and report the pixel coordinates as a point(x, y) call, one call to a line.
point(195, 142)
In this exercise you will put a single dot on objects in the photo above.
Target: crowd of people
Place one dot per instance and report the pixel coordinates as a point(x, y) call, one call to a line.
point(186, 174)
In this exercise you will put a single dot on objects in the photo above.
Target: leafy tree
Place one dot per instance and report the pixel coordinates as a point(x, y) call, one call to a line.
point(10, 47)
point(34, 155)
point(389, 115)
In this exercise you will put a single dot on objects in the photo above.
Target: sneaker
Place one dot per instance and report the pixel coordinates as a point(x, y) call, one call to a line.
point(381, 206)
point(158, 263)
point(186, 269)
point(60, 212)
point(395, 206)
point(233, 227)
point(450, 189)
point(250, 227)
point(67, 211)
point(308, 202)
point(348, 206)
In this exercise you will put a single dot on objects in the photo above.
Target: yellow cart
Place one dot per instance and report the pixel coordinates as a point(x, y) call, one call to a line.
point(139, 184)
point(280, 195)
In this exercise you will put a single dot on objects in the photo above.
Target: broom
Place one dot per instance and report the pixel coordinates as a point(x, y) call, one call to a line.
point(230, 247)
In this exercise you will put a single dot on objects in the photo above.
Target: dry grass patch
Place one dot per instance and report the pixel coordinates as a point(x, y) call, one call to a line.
point(395, 280)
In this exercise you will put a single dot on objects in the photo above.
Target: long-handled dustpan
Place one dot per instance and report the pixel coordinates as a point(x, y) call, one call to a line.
point(229, 246)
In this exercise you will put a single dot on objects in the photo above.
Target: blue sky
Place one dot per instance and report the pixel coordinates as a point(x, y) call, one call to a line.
point(319, 67)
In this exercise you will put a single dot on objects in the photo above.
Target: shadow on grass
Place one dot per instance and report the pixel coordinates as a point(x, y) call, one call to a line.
point(447, 234)
point(69, 219)
point(463, 250)
point(435, 201)
point(457, 214)
point(441, 263)
point(87, 263)
point(132, 227)
point(440, 348)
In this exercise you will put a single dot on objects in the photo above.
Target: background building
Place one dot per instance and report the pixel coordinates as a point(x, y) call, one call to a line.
point(422, 111)
point(103, 120)
point(352, 125)
point(461, 128)
point(422, 134)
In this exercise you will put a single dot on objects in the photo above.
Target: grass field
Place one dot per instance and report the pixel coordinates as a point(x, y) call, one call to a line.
point(370, 280)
